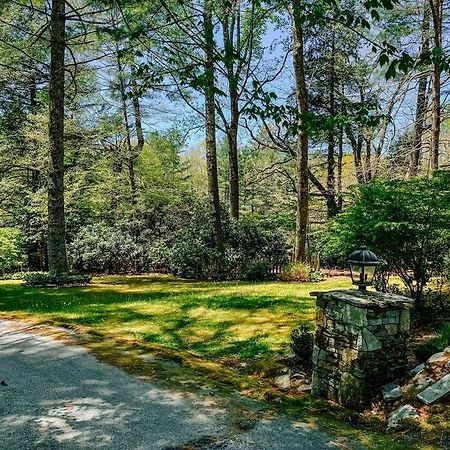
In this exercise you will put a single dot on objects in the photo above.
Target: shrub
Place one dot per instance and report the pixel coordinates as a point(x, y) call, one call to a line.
point(258, 270)
point(428, 348)
point(104, 249)
point(13, 276)
point(256, 247)
point(196, 260)
point(405, 222)
point(437, 301)
point(302, 346)
point(38, 279)
point(157, 256)
point(297, 272)
point(251, 249)
point(316, 277)
point(11, 251)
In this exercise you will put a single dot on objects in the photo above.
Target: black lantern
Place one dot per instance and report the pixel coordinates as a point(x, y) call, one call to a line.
point(363, 264)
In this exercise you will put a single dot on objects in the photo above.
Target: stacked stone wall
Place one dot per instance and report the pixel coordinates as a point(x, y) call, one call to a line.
point(361, 343)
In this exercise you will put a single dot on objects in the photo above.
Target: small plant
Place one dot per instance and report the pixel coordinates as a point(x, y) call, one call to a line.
point(13, 276)
point(428, 348)
point(297, 272)
point(39, 279)
point(302, 346)
point(11, 249)
point(316, 277)
point(257, 271)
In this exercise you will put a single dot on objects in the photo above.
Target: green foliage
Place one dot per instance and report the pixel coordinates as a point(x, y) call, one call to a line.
point(13, 275)
point(302, 346)
point(39, 279)
point(258, 270)
point(193, 258)
point(104, 249)
point(297, 272)
point(428, 348)
point(11, 251)
point(405, 222)
point(251, 249)
point(316, 277)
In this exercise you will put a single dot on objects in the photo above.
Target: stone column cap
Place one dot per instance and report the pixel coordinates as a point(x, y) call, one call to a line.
point(365, 299)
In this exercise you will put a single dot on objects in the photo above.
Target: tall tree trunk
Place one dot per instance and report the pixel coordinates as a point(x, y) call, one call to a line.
point(137, 116)
point(126, 123)
point(368, 159)
point(332, 208)
point(57, 257)
point(300, 250)
point(232, 135)
point(210, 126)
point(339, 168)
point(231, 49)
point(35, 173)
point(421, 106)
point(356, 144)
point(33, 94)
point(436, 13)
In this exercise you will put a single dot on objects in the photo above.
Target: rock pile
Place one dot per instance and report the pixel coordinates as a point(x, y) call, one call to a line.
point(293, 381)
point(429, 383)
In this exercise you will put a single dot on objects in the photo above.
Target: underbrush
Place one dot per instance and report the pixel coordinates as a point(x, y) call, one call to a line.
point(301, 273)
point(39, 279)
point(428, 348)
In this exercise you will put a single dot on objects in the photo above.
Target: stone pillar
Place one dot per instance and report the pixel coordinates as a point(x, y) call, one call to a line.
point(361, 344)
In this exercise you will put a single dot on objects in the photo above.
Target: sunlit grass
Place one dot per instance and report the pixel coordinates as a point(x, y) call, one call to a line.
point(209, 319)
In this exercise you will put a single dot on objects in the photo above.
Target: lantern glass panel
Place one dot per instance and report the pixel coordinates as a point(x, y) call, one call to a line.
point(369, 272)
point(356, 272)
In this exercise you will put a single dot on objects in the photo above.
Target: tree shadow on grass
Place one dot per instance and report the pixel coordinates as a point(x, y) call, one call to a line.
point(207, 322)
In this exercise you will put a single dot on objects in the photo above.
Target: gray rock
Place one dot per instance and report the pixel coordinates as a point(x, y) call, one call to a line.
point(304, 388)
point(283, 381)
point(405, 320)
point(391, 392)
point(436, 391)
point(423, 382)
point(447, 350)
point(367, 342)
point(417, 369)
point(401, 414)
point(438, 359)
point(354, 315)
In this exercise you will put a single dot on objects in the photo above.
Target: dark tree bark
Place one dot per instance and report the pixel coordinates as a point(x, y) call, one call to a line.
point(126, 123)
point(57, 257)
point(436, 14)
point(332, 207)
point(137, 149)
point(33, 94)
point(339, 168)
point(210, 126)
point(356, 144)
point(421, 106)
point(137, 116)
point(231, 31)
point(368, 159)
point(232, 136)
point(301, 234)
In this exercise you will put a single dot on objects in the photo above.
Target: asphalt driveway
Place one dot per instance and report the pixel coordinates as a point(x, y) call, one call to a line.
point(59, 396)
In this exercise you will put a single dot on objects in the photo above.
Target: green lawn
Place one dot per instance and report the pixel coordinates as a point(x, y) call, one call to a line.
point(212, 320)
